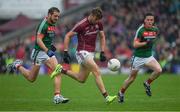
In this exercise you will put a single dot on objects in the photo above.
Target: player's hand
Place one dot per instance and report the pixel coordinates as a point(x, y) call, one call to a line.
point(149, 41)
point(102, 56)
point(53, 48)
point(66, 57)
point(50, 53)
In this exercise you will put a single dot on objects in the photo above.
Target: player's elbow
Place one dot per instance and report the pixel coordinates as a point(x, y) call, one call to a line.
point(135, 45)
point(38, 40)
point(69, 34)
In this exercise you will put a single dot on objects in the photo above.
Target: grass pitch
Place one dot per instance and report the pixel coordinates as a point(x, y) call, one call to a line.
point(17, 94)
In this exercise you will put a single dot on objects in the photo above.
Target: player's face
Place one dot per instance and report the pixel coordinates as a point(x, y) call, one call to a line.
point(54, 17)
point(94, 20)
point(149, 21)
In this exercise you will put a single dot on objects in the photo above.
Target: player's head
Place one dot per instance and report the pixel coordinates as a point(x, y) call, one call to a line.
point(149, 20)
point(95, 15)
point(53, 14)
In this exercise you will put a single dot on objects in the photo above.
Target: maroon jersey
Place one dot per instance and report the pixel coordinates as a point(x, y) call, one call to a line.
point(87, 33)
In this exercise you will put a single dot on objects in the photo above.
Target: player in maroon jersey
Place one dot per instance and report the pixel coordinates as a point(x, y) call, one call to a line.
point(87, 31)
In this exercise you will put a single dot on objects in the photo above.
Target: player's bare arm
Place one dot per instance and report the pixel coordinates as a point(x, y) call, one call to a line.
point(40, 42)
point(67, 39)
point(137, 43)
point(102, 40)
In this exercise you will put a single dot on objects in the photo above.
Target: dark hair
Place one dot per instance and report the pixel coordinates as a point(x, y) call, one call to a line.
point(148, 14)
point(97, 12)
point(52, 10)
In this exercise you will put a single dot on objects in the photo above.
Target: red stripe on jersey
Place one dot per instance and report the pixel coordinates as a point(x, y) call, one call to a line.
point(41, 36)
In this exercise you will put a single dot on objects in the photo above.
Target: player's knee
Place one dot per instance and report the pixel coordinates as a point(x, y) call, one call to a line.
point(159, 71)
point(131, 80)
point(31, 80)
point(97, 73)
point(82, 81)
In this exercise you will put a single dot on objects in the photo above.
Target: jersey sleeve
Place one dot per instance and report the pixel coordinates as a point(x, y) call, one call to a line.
point(77, 28)
point(41, 31)
point(137, 36)
point(157, 31)
point(100, 26)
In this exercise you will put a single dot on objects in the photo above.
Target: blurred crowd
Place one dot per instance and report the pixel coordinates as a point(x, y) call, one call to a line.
point(121, 20)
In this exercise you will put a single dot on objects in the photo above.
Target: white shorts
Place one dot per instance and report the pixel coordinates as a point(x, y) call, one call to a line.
point(39, 57)
point(138, 62)
point(82, 55)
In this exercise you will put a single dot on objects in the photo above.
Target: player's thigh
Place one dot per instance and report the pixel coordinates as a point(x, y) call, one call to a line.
point(153, 64)
point(137, 63)
point(85, 59)
point(83, 55)
point(38, 58)
point(51, 62)
point(91, 64)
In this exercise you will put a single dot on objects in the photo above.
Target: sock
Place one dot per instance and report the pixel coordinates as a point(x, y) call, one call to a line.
point(63, 71)
point(122, 90)
point(17, 67)
point(105, 94)
point(56, 93)
point(149, 81)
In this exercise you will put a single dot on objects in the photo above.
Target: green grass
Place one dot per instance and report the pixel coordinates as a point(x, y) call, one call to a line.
point(17, 94)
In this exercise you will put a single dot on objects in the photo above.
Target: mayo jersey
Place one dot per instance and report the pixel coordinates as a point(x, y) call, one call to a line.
point(48, 31)
point(145, 34)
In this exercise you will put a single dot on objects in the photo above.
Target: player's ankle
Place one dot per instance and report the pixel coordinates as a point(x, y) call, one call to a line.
point(56, 94)
point(18, 66)
point(147, 83)
point(105, 94)
point(64, 71)
point(122, 91)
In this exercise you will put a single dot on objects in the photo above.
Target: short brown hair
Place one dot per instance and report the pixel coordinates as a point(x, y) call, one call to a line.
point(52, 10)
point(97, 12)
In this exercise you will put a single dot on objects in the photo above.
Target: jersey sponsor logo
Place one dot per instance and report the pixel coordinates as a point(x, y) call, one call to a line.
point(91, 33)
point(91, 30)
point(51, 28)
point(148, 37)
point(149, 34)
